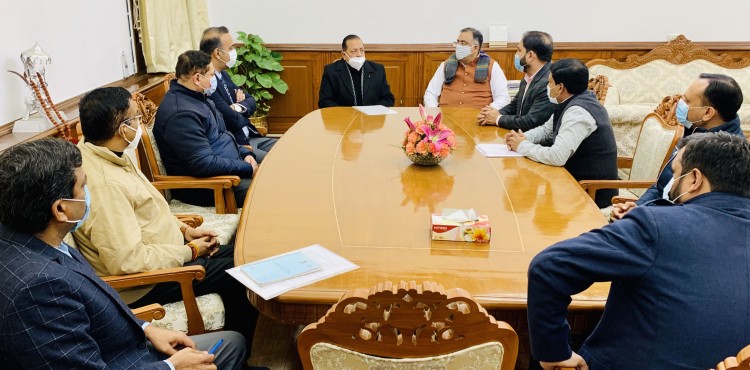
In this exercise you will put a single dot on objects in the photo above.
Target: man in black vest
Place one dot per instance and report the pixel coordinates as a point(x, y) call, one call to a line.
point(579, 136)
point(353, 80)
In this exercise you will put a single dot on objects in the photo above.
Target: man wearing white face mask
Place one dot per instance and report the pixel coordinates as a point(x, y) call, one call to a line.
point(709, 104)
point(530, 107)
point(234, 105)
point(579, 135)
point(469, 78)
point(354, 80)
point(130, 228)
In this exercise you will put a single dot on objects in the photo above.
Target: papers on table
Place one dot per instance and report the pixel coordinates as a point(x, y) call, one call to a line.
point(497, 150)
point(375, 110)
point(331, 264)
point(275, 269)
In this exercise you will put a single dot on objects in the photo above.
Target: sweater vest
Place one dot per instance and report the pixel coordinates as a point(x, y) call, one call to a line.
point(596, 157)
point(463, 91)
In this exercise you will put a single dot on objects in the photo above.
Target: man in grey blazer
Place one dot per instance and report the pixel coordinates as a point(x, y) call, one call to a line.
point(55, 313)
point(531, 107)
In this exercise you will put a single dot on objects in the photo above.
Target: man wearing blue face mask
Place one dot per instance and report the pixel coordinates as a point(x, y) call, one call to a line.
point(531, 106)
point(234, 105)
point(710, 104)
point(469, 78)
point(354, 80)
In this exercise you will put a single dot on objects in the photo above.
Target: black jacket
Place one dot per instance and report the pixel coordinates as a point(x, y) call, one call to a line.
point(192, 138)
point(234, 121)
point(336, 86)
point(525, 113)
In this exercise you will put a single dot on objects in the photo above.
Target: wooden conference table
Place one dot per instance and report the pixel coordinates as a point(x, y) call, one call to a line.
point(338, 178)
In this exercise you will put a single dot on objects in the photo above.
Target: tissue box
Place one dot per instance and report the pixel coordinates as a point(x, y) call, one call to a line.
point(471, 231)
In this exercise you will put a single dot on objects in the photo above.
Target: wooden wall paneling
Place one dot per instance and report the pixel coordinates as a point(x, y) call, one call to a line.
point(583, 55)
point(396, 65)
point(302, 72)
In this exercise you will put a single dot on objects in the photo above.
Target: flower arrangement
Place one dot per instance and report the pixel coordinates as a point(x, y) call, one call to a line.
point(427, 142)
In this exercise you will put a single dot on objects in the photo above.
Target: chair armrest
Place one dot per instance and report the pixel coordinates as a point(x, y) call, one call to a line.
point(183, 275)
point(150, 313)
point(624, 162)
point(591, 186)
point(618, 199)
point(191, 219)
point(221, 185)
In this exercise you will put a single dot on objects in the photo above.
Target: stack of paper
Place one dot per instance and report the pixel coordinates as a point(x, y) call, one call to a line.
point(496, 150)
point(280, 274)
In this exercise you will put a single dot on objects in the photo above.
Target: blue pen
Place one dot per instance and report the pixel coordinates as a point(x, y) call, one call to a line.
point(215, 347)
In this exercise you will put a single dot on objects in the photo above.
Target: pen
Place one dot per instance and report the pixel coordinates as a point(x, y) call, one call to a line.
point(215, 347)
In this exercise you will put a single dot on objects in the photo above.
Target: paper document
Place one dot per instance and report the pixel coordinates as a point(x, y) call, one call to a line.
point(331, 264)
point(280, 268)
point(496, 150)
point(375, 110)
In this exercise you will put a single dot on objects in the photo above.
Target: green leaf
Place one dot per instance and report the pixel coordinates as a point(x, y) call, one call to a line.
point(266, 64)
point(257, 47)
point(239, 80)
point(265, 81)
point(280, 86)
point(276, 55)
point(275, 66)
point(266, 95)
point(274, 76)
point(242, 34)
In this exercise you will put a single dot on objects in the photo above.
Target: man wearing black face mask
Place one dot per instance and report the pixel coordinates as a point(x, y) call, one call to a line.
point(672, 283)
point(353, 80)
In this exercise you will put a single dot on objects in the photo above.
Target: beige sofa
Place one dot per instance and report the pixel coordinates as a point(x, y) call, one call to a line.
point(638, 85)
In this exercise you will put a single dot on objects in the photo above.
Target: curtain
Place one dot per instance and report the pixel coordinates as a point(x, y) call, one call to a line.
point(167, 28)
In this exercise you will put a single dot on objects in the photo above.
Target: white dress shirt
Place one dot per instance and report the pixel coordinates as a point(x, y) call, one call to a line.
point(577, 124)
point(498, 85)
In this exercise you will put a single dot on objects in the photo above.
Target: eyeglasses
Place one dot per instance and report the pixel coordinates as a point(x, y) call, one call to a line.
point(136, 119)
point(463, 43)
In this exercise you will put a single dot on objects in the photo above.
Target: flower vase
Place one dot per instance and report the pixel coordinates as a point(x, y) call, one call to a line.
point(424, 159)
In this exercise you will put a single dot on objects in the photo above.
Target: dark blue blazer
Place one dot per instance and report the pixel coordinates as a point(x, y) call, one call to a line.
point(192, 137)
point(336, 86)
point(57, 314)
point(234, 120)
point(666, 174)
point(680, 287)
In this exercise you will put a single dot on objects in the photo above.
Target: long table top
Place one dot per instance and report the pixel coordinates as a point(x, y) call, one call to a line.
point(339, 178)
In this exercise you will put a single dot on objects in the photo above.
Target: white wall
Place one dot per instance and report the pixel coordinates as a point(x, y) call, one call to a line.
point(85, 39)
point(438, 21)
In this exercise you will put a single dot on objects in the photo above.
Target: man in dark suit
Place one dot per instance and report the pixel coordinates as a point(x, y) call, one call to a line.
point(55, 312)
point(678, 267)
point(352, 80)
point(234, 105)
point(531, 107)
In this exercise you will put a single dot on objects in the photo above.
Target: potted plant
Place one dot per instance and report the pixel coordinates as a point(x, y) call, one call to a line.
point(256, 71)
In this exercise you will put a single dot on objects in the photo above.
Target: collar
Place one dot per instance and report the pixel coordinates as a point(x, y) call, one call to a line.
point(732, 127)
point(720, 199)
point(105, 153)
point(179, 89)
point(530, 79)
point(63, 248)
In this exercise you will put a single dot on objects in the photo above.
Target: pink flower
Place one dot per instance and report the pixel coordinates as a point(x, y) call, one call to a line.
point(413, 137)
point(422, 112)
point(434, 149)
point(422, 129)
point(409, 148)
point(409, 123)
point(444, 151)
point(438, 118)
point(421, 147)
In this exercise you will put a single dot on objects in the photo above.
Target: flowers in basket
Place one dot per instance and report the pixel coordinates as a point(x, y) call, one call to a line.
point(427, 142)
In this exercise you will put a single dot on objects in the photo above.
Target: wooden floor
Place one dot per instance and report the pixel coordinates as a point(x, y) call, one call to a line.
point(274, 345)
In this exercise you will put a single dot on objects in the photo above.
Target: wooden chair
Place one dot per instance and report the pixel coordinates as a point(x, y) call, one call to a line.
point(666, 109)
point(739, 362)
point(186, 310)
point(599, 85)
point(655, 144)
point(151, 166)
point(405, 325)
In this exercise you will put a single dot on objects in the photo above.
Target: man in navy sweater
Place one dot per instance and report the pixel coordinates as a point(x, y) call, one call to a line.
point(234, 105)
point(679, 285)
point(710, 104)
point(191, 134)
